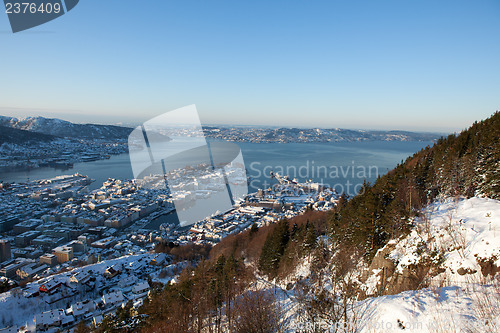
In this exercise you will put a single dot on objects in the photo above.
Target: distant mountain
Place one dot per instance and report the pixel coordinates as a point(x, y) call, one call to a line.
point(287, 135)
point(17, 136)
point(62, 128)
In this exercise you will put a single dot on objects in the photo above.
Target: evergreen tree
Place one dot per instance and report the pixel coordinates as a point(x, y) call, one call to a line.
point(274, 247)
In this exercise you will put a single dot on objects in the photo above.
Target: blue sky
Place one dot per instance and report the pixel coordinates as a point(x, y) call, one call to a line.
point(417, 65)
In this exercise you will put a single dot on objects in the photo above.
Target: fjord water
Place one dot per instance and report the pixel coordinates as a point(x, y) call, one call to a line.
point(340, 165)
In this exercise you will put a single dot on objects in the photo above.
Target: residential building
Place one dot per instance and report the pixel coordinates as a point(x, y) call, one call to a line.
point(4, 250)
point(49, 259)
point(63, 253)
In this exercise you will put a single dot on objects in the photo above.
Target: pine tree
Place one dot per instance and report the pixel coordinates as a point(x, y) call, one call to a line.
point(274, 247)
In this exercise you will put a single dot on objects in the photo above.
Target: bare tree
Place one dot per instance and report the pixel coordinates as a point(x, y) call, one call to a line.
point(329, 296)
point(485, 297)
point(257, 312)
point(456, 231)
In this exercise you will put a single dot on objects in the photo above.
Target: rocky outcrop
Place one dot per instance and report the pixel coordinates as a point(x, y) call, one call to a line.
point(489, 265)
point(391, 280)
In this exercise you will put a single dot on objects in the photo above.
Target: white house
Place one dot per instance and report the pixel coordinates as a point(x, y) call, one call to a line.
point(113, 299)
point(52, 318)
point(80, 277)
point(127, 281)
point(82, 309)
point(141, 287)
point(135, 266)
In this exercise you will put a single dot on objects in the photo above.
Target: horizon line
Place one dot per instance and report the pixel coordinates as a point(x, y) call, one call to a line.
point(132, 123)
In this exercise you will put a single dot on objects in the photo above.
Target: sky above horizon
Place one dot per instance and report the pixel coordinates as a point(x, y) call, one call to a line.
point(409, 65)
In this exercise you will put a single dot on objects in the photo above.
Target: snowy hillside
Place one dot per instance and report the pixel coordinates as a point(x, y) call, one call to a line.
point(64, 128)
point(472, 308)
point(469, 308)
point(459, 240)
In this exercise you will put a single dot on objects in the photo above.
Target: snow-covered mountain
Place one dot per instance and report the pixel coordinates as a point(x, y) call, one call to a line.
point(62, 128)
point(287, 135)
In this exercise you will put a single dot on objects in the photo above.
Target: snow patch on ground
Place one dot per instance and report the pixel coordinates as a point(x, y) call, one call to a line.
point(370, 285)
point(463, 230)
point(448, 309)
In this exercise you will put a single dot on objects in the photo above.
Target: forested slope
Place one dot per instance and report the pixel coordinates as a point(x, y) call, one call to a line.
point(466, 164)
